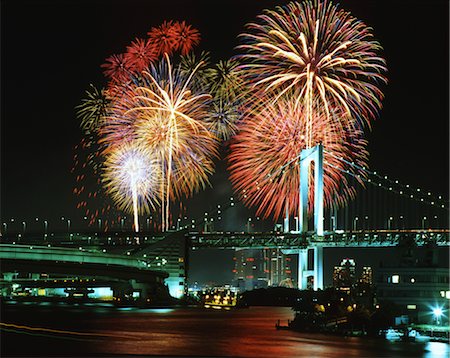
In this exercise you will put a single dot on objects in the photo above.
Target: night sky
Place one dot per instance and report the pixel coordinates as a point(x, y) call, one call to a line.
point(52, 51)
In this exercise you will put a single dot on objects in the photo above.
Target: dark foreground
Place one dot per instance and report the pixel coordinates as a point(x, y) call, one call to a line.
point(94, 330)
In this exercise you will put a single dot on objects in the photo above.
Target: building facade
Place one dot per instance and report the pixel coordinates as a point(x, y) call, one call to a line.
point(260, 268)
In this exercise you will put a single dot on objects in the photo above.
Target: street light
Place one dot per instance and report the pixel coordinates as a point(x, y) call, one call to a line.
point(437, 313)
point(24, 226)
point(248, 224)
point(436, 221)
point(5, 227)
point(366, 222)
point(423, 222)
point(389, 222)
point(355, 220)
point(333, 223)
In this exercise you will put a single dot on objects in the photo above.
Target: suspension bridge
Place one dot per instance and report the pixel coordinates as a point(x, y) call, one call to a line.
point(384, 213)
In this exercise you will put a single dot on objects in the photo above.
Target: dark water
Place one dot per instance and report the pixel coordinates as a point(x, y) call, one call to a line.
point(84, 331)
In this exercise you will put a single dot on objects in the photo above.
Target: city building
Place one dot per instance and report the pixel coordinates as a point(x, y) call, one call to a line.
point(344, 275)
point(418, 285)
point(260, 268)
point(366, 276)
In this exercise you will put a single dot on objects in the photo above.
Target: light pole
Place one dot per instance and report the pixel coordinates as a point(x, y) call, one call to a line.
point(99, 224)
point(148, 224)
point(355, 221)
point(24, 226)
point(389, 222)
point(366, 222)
point(5, 228)
point(333, 223)
point(402, 223)
point(248, 224)
point(423, 222)
point(45, 229)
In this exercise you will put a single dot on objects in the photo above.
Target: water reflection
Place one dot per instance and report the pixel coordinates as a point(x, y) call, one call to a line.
point(188, 332)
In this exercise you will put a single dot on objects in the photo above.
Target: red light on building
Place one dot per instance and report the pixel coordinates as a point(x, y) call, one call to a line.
point(250, 259)
point(250, 276)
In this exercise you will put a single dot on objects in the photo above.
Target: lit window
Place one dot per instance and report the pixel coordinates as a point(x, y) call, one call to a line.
point(447, 295)
point(395, 278)
point(411, 307)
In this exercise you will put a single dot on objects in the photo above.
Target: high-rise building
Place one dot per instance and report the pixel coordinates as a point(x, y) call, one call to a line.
point(257, 268)
point(366, 276)
point(344, 275)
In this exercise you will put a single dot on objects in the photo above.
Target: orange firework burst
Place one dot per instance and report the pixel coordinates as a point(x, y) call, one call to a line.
point(162, 112)
point(269, 140)
point(313, 51)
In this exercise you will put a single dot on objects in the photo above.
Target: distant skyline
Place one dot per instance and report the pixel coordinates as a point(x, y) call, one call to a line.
point(52, 51)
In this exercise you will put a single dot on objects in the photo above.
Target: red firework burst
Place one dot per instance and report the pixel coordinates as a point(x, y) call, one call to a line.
point(272, 138)
point(186, 36)
point(140, 54)
point(118, 68)
point(163, 38)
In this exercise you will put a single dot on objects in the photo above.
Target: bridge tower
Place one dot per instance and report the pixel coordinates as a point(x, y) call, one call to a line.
point(314, 154)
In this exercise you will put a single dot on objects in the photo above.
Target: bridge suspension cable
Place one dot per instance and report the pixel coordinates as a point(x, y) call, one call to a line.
point(393, 185)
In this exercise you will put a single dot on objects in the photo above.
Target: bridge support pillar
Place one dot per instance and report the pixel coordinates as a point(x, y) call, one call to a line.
point(305, 271)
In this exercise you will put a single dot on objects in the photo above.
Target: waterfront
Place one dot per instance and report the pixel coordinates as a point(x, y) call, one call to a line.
point(80, 330)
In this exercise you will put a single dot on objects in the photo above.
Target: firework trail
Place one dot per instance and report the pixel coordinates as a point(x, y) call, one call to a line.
point(314, 51)
point(276, 136)
point(90, 194)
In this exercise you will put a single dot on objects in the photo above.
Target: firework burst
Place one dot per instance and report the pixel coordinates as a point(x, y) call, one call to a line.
point(131, 176)
point(313, 51)
point(92, 109)
point(268, 141)
point(200, 65)
point(225, 80)
point(223, 119)
point(164, 114)
point(163, 38)
point(140, 54)
point(117, 68)
point(186, 37)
